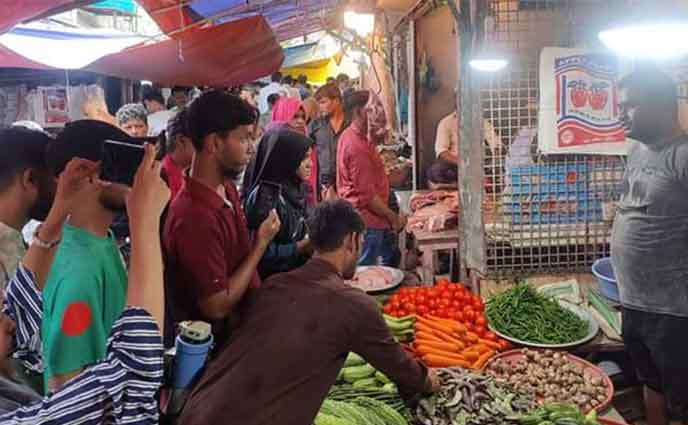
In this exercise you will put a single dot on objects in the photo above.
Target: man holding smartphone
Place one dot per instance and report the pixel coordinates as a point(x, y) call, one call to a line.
point(210, 259)
point(86, 289)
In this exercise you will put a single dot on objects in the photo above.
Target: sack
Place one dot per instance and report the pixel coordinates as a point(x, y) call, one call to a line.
point(258, 204)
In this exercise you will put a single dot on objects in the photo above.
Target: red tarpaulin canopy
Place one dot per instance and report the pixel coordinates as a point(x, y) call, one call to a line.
point(222, 55)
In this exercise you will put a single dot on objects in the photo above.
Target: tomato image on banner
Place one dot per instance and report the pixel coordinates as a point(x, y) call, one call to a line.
point(585, 83)
point(579, 110)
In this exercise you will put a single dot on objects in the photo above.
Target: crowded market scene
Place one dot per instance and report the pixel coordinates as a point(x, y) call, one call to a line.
point(344, 212)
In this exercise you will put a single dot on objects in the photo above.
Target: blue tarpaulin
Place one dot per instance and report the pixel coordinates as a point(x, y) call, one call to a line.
point(304, 54)
point(287, 18)
point(122, 6)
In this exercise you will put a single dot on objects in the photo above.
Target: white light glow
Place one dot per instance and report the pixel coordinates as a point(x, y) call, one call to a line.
point(648, 41)
point(362, 23)
point(66, 48)
point(488, 65)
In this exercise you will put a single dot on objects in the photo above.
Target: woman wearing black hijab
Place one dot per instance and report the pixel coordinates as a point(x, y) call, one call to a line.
point(281, 165)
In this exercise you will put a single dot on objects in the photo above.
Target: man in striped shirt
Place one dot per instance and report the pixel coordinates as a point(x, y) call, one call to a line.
point(122, 387)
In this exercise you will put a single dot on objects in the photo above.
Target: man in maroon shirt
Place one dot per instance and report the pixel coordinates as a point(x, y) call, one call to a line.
point(299, 328)
point(362, 180)
point(210, 260)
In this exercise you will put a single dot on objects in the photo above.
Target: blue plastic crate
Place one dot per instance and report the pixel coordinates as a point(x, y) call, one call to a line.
point(552, 208)
point(548, 178)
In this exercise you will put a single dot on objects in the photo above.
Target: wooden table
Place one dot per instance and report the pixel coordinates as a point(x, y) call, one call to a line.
point(428, 243)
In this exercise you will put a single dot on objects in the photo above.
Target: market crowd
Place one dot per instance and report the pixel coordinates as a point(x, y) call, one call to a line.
point(248, 215)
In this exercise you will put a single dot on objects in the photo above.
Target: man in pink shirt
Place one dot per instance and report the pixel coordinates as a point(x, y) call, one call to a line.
point(361, 177)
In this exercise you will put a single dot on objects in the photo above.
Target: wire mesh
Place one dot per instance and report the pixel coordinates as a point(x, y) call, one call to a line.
point(542, 213)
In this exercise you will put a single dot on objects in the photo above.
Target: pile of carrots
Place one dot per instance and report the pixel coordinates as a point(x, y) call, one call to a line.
point(446, 343)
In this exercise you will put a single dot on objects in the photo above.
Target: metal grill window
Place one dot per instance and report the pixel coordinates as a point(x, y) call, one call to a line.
point(542, 213)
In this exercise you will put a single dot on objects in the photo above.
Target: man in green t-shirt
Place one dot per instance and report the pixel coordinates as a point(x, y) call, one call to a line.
point(86, 289)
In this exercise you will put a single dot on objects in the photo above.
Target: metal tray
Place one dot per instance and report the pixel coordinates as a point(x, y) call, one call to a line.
point(397, 278)
point(583, 313)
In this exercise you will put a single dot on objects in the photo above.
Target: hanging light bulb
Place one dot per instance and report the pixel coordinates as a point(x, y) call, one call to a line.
point(361, 23)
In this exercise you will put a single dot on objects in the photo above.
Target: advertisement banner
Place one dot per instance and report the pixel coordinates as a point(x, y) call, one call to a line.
point(579, 103)
point(55, 106)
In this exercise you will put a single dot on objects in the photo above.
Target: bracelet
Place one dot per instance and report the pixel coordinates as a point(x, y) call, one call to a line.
point(41, 243)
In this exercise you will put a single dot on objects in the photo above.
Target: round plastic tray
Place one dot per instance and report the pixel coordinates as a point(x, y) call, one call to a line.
point(589, 369)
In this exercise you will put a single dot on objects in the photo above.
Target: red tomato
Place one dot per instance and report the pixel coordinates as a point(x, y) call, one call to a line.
point(469, 314)
point(491, 336)
point(479, 305)
point(396, 305)
point(480, 330)
point(459, 316)
point(421, 300)
point(433, 311)
point(422, 310)
point(444, 282)
point(442, 313)
point(444, 302)
point(446, 294)
point(480, 321)
point(410, 307)
point(432, 303)
point(433, 293)
point(387, 309)
point(456, 304)
point(504, 345)
point(402, 313)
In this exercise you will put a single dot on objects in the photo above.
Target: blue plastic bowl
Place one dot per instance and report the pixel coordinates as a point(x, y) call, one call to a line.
point(604, 272)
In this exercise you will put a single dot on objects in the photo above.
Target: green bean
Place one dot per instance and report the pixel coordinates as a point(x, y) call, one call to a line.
point(525, 314)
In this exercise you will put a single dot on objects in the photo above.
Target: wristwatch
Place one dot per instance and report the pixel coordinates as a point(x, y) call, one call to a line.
point(41, 243)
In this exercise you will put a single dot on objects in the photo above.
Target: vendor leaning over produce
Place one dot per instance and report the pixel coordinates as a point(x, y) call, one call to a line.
point(298, 330)
point(650, 243)
point(210, 262)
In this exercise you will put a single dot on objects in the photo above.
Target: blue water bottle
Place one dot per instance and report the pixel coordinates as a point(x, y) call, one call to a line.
point(193, 345)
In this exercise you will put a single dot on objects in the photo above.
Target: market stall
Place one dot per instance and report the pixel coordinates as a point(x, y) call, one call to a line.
point(506, 359)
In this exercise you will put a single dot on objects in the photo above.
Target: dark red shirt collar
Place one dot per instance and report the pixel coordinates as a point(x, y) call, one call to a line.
point(199, 192)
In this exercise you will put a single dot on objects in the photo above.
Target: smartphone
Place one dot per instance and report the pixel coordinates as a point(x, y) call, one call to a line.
point(121, 159)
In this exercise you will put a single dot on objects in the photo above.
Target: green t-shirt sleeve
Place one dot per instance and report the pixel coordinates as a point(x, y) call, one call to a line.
point(75, 336)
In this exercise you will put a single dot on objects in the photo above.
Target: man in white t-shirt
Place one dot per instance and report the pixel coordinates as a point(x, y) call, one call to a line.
point(275, 87)
point(445, 169)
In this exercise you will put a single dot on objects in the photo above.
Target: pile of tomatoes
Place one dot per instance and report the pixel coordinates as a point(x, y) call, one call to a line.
point(445, 300)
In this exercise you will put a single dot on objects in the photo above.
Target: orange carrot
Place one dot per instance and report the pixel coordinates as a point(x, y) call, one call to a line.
point(422, 327)
point(434, 360)
point(434, 324)
point(427, 335)
point(424, 349)
point(480, 362)
point(471, 337)
point(456, 325)
point(446, 346)
point(493, 345)
point(470, 355)
point(481, 348)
